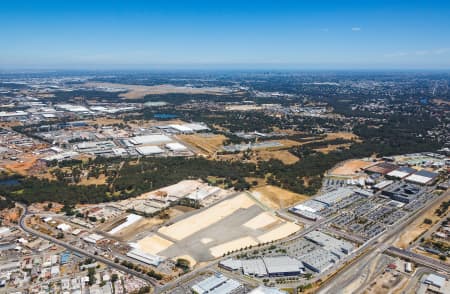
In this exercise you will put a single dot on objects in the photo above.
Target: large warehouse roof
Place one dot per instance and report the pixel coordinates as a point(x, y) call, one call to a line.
point(401, 172)
point(267, 290)
point(334, 196)
point(216, 284)
point(254, 267)
point(181, 128)
point(382, 168)
point(176, 147)
point(150, 139)
point(149, 150)
point(282, 264)
point(145, 257)
point(422, 177)
point(318, 260)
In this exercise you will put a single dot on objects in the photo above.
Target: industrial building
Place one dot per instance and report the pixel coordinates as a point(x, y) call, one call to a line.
point(318, 260)
point(402, 192)
point(383, 184)
point(93, 238)
point(149, 150)
point(151, 259)
point(334, 196)
point(96, 148)
point(254, 267)
point(422, 177)
point(401, 172)
point(155, 139)
point(436, 284)
point(382, 168)
point(282, 266)
point(176, 147)
point(310, 208)
point(277, 266)
point(335, 246)
point(267, 290)
point(216, 284)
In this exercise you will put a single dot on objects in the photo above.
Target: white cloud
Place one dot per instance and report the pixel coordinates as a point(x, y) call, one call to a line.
point(356, 29)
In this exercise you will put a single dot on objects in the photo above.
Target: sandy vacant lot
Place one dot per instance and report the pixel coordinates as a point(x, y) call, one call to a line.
point(221, 249)
point(138, 91)
point(276, 198)
point(260, 221)
point(153, 244)
point(207, 144)
point(206, 218)
point(282, 231)
point(351, 167)
point(230, 225)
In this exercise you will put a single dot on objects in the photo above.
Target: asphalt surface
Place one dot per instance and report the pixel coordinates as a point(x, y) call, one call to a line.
point(383, 244)
point(98, 258)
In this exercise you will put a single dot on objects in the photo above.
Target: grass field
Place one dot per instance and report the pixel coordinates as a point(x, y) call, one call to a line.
point(330, 148)
point(283, 155)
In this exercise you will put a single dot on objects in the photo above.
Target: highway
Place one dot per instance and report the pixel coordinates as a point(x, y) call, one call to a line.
point(379, 245)
point(420, 259)
point(98, 258)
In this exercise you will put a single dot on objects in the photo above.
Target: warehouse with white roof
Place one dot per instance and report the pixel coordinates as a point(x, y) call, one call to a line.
point(422, 177)
point(217, 284)
point(155, 139)
point(401, 172)
point(176, 147)
point(149, 150)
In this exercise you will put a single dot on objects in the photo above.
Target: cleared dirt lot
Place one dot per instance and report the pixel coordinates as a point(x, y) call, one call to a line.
point(22, 168)
point(207, 144)
point(138, 91)
point(276, 198)
point(351, 167)
point(231, 224)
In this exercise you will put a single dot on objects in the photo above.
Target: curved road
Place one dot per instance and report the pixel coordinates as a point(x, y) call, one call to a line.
point(98, 258)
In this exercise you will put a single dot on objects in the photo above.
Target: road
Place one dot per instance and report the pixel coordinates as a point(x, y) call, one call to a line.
point(430, 231)
point(70, 247)
point(420, 259)
point(377, 246)
point(209, 265)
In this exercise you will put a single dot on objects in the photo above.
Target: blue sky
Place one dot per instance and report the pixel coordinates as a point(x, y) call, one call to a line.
point(225, 34)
